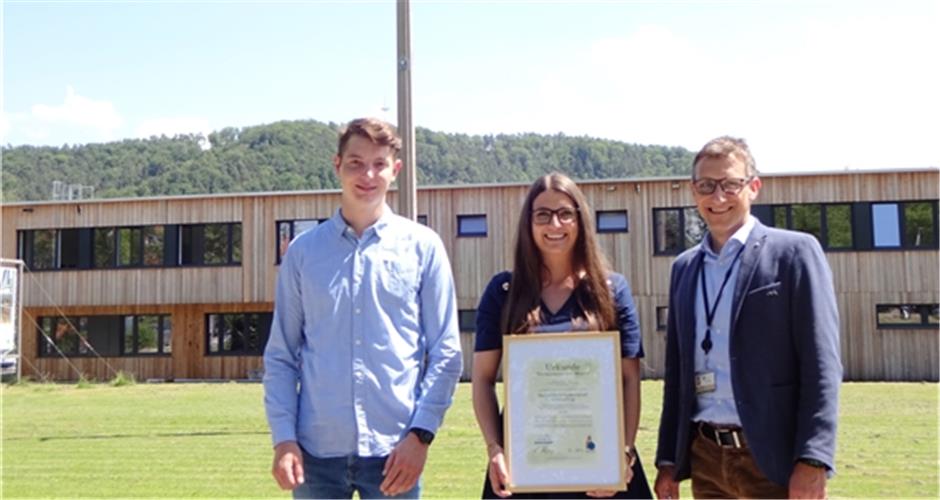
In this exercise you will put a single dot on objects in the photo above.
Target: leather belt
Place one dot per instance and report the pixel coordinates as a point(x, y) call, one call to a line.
point(730, 437)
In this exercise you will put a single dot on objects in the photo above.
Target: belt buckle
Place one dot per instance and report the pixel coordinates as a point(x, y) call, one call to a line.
point(732, 432)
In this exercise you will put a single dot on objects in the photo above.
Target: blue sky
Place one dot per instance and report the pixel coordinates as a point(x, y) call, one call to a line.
point(811, 85)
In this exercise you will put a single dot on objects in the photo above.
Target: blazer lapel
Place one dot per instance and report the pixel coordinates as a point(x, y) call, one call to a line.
point(747, 269)
point(689, 287)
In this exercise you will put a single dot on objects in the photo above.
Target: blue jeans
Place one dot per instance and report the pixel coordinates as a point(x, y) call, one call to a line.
point(340, 477)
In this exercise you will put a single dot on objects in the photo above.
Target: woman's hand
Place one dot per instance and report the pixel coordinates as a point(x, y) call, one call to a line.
point(610, 493)
point(499, 478)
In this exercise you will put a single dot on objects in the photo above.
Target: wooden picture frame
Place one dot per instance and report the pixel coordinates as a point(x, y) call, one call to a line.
point(563, 414)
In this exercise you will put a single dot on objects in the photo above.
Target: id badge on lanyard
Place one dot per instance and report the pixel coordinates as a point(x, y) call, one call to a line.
point(705, 380)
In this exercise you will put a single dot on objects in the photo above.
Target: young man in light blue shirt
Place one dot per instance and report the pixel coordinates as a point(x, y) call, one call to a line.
point(364, 351)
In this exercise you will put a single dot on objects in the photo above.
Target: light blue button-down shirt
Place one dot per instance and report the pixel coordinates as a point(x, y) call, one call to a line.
point(718, 406)
point(365, 341)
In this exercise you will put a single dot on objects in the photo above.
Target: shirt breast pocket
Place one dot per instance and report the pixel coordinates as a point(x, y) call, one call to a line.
point(399, 277)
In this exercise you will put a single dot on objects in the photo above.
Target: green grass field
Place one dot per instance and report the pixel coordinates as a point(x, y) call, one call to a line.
point(211, 440)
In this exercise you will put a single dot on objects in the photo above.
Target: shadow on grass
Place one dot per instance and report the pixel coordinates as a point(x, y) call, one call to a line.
point(146, 435)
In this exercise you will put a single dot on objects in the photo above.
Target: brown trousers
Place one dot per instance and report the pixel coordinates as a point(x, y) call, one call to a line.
point(725, 472)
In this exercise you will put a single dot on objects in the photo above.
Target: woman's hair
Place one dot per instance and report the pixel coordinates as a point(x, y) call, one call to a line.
point(522, 311)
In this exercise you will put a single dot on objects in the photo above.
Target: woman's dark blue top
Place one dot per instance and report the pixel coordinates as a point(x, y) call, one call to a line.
point(489, 313)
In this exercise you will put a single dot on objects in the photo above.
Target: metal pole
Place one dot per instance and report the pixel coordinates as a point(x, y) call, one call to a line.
point(407, 179)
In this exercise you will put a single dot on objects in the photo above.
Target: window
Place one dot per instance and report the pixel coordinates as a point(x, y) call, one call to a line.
point(611, 221)
point(675, 229)
point(885, 225)
point(807, 218)
point(782, 216)
point(104, 247)
point(468, 320)
point(287, 230)
point(106, 335)
point(838, 224)
point(910, 224)
point(471, 225)
point(215, 244)
point(153, 245)
point(68, 249)
point(894, 316)
point(830, 223)
point(59, 335)
point(662, 317)
point(147, 334)
point(422, 219)
point(129, 246)
point(210, 244)
point(132, 246)
point(43, 251)
point(237, 334)
point(920, 225)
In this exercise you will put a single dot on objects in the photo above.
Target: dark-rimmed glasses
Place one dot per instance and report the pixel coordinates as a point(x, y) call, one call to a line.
point(566, 215)
point(728, 185)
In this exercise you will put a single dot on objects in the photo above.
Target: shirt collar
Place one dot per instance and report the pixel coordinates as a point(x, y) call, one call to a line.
point(380, 227)
point(738, 239)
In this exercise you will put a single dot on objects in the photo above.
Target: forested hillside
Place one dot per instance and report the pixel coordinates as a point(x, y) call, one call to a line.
point(295, 155)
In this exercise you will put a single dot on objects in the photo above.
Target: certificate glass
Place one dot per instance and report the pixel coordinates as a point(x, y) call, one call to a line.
point(564, 412)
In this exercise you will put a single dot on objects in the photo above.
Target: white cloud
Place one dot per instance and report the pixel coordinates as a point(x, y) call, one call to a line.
point(858, 93)
point(100, 116)
point(78, 117)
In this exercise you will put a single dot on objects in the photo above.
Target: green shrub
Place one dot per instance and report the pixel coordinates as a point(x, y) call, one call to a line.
point(123, 378)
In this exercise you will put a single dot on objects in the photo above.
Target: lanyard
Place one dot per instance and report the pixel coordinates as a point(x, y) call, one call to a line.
point(710, 311)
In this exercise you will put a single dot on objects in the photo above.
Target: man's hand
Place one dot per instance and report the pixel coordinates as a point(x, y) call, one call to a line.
point(807, 481)
point(288, 467)
point(499, 477)
point(404, 466)
point(666, 486)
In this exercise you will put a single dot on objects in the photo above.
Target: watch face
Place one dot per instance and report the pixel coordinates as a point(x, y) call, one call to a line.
point(424, 436)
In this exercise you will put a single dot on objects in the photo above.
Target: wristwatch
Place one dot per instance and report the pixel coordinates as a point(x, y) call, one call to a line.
point(423, 435)
point(812, 462)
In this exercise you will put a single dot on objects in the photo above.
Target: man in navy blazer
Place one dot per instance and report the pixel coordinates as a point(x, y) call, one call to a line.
point(752, 377)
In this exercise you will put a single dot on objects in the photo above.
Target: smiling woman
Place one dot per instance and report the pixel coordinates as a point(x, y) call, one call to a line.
point(560, 282)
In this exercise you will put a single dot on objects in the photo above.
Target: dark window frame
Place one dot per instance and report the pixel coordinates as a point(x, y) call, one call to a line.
point(462, 234)
point(112, 264)
point(902, 225)
point(682, 228)
point(823, 239)
point(626, 221)
point(923, 309)
point(135, 335)
point(85, 247)
point(139, 246)
point(278, 258)
point(462, 319)
point(198, 247)
point(660, 327)
point(245, 316)
point(74, 323)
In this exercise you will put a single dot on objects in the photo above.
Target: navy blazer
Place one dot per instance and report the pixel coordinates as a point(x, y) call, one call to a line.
point(785, 364)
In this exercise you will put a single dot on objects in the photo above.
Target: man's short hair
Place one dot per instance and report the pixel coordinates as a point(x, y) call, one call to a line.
point(379, 132)
point(723, 147)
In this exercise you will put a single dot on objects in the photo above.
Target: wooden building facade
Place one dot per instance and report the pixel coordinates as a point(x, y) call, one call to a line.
point(182, 287)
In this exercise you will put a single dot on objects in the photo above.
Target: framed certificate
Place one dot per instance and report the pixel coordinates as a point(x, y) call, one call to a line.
point(563, 415)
